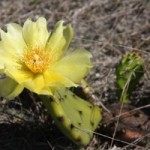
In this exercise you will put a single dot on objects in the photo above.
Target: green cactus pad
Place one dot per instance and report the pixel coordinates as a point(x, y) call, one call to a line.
point(129, 72)
point(75, 117)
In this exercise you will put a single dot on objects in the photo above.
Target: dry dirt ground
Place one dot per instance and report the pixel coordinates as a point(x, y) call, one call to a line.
point(108, 29)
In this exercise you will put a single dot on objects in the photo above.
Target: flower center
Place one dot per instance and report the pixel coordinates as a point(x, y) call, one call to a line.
point(37, 60)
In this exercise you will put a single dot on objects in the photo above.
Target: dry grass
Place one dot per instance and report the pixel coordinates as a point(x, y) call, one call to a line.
point(106, 28)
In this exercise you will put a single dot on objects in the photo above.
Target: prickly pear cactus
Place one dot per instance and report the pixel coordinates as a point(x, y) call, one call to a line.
point(75, 117)
point(129, 72)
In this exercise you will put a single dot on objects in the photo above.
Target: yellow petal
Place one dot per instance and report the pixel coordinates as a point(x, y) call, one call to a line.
point(11, 45)
point(9, 88)
point(35, 33)
point(74, 66)
point(31, 81)
point(7, 58)
point(19, 73)
point(46, 91)
point(54, 79)
point(37, 83)
point(43, 83)
point(12, 41)
point(59, 40)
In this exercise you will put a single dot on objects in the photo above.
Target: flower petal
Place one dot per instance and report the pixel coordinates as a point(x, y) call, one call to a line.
point(38, 83)
point(74, 66)
point(9, 88)
point(63, 71)
point(54, 79)
point(19, 73)
point(43, 83)
point(59, 40)
point(7, 58)
point(12, 41)
point(35, 33)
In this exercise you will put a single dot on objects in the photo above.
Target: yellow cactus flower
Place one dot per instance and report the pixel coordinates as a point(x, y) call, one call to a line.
point(31, 57)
